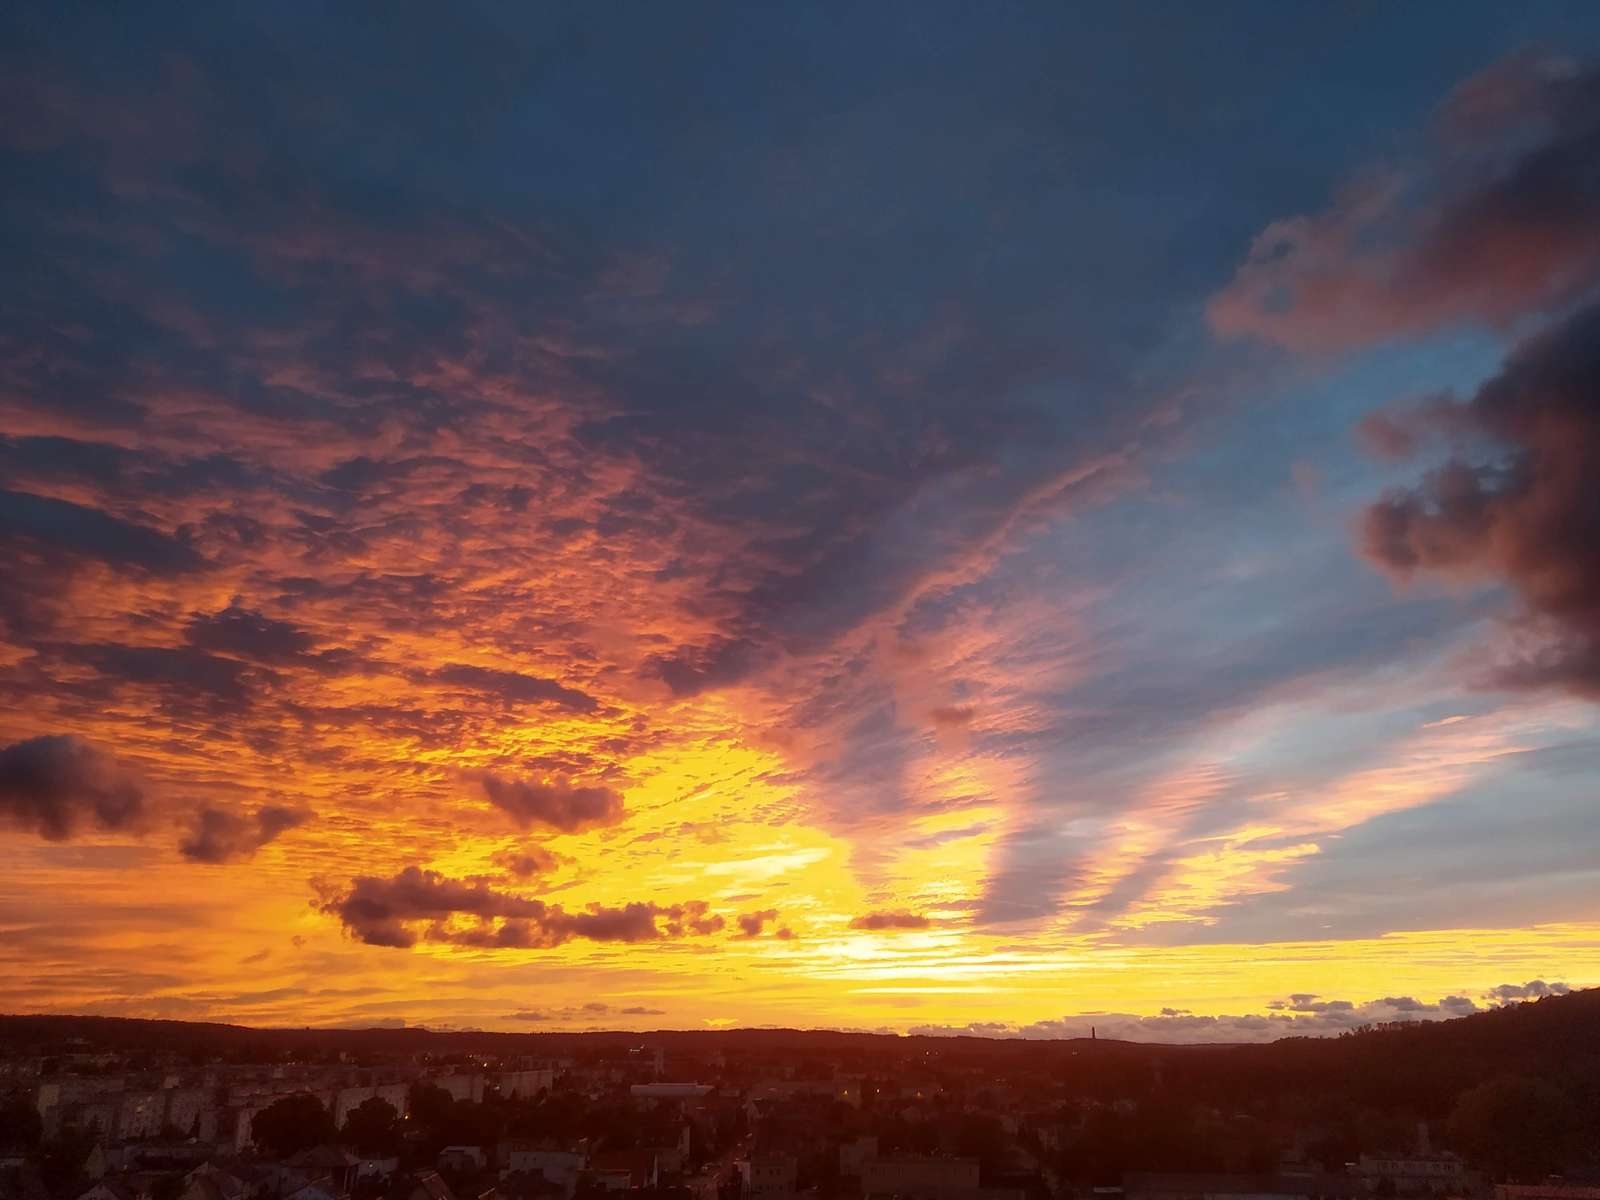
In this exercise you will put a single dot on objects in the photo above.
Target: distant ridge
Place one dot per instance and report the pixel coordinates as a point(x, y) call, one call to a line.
point(1418, 1069)
point(1526, 1030)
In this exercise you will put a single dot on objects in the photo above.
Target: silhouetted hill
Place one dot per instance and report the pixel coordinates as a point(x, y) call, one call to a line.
point(1516, 1089)
point(1417, 1065)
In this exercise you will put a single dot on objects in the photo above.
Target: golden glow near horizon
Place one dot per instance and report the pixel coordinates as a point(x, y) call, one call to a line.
point(711, 818)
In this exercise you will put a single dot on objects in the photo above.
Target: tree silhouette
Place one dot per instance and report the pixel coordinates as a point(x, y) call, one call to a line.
point(373, 1127)
point(295, 1123)
point(20, 1124)
point(1514, 1128)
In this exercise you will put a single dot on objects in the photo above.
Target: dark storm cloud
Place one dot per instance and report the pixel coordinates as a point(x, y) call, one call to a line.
point(385, 912)
point(563, 807)
point(61, 458)
point(512, 687)
point(896, 919)
point(118, 471)
point(220, 836)
point(690, 670)
point(1503, 220)
point(57, 784)
point(249, 635)
point(1524, 508)
point(57, 527)
point(183, 674)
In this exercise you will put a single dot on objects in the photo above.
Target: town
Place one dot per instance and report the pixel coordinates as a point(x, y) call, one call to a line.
point(94, 1109)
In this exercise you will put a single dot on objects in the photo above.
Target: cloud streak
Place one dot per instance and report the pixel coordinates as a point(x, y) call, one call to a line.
point(882, 921)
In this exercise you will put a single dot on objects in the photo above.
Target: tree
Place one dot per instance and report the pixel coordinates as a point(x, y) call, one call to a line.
point(61, 1158)
point(20, 1125)
point(295, 1123)
point(1514, 1128)
point(430, 1105)
point(373, 1127)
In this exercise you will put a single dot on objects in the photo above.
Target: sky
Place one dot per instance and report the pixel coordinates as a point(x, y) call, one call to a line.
point(902, 516)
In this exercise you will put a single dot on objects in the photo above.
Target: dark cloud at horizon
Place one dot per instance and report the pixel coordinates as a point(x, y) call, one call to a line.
point(593, 1011)
point(1300, 1015)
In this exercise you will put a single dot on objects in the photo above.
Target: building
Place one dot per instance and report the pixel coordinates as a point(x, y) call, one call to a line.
point(379, 1167)
point(623, 1170)
point(184, 1106)
point(768, 1176)
point(915, 1176)
point(461, 1087)
point(21, 1181)
point(856, 1154)
point(669, 1091)
point(141, 1115)
point(1146, 1186)
point(525, 1083)
point(462, 1159)
point(207, 1182)
point(334, 1164)
point(428, 1185)
point(846, 1091)
point(1415, 1174)
point(112, 1189)
point(672, 1156)
point(558, 1167)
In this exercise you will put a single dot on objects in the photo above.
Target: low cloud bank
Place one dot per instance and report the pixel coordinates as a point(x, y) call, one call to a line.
point(1301, 1014)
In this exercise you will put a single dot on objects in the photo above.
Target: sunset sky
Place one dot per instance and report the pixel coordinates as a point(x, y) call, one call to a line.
point(885, 516)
